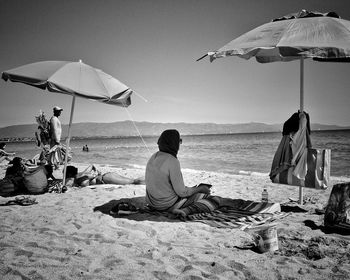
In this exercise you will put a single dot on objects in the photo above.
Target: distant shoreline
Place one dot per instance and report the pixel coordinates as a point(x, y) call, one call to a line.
point(148, 129)
point(28, 139)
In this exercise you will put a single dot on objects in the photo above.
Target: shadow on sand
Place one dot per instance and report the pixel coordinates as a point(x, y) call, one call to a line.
point(338, 230)
point(294, 209)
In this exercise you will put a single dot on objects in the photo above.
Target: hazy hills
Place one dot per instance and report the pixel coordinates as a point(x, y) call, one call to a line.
point(127, 128)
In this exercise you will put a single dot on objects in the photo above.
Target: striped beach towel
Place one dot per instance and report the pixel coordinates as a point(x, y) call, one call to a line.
point(249, 215)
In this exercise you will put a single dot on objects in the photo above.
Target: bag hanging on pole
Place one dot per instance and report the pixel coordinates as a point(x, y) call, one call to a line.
point(318, 168)
point(296, 162)
point(318, 171)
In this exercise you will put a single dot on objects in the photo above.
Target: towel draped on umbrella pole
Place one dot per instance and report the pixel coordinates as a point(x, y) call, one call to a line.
point(72, 78)
point(320, 36)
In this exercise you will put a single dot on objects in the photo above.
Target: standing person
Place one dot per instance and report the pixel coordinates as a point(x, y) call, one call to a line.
point(3, 154)
point(165, 188)
point(55, 127)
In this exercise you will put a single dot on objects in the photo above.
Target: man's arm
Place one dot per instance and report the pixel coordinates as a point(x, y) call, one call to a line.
point(179, 186)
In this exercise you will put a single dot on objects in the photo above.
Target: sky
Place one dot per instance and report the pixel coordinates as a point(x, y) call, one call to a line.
point(152, 47)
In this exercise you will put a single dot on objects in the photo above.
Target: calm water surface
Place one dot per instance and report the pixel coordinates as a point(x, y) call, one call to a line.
point(228, 153)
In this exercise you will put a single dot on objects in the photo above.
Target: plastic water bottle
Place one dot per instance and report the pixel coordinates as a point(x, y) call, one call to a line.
point(264, 195)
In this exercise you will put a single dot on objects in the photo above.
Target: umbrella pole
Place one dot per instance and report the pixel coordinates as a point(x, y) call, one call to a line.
point(301, 110)
point(68, 140)
point(301, 84)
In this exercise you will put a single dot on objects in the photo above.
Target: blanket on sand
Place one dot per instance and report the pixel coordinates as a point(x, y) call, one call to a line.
point(242, 214)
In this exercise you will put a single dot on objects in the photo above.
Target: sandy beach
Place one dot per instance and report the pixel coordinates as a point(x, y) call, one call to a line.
point(62, 237)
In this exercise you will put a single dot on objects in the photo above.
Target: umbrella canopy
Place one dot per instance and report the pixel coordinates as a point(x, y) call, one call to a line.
point(306, 34)
point(72, 78)
point(320, 36)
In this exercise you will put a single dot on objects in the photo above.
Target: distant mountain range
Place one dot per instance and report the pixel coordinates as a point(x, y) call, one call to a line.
point(127, 128)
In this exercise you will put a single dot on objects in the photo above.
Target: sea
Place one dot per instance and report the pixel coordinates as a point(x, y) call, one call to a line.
point(244, 153)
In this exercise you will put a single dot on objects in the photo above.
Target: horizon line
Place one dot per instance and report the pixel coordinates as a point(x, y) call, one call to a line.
point(242, 123)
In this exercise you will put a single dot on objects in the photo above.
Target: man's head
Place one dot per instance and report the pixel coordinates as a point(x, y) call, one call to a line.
point(57, 111)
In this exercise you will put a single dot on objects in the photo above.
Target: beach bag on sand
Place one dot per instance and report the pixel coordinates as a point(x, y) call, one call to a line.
point(36, 181)
point(318, 171)
point(337, 213)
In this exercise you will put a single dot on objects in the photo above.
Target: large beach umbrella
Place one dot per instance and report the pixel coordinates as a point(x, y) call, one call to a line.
point(320, 36)
point(72, 78)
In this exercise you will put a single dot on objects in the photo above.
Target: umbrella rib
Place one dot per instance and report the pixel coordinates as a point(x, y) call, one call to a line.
point(100, 80)
point(56, 87)
point(79, 75)
point(288, 29)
